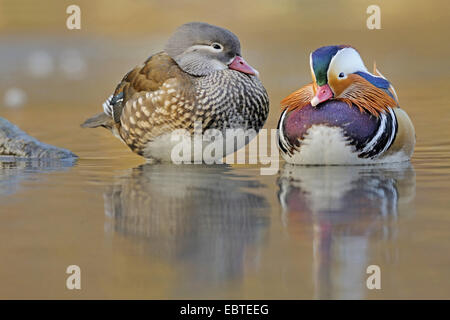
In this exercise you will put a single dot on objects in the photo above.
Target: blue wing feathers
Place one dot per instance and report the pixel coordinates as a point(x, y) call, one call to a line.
point(376, 81)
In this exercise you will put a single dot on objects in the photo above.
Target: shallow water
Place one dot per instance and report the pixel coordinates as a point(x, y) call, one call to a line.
point(197, 231)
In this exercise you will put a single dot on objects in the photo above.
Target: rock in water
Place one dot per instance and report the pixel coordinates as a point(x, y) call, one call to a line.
point(16, 143)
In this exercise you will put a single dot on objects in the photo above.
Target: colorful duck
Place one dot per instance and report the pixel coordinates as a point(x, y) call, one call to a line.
point(347, 115)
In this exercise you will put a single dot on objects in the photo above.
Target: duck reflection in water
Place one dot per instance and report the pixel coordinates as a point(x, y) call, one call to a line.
point(350, 210)
point(208, 219)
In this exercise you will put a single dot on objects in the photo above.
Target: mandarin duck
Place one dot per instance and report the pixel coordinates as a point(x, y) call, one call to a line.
point(182, 213)
point(347, 115)
point(200, 77)
point(343, 211)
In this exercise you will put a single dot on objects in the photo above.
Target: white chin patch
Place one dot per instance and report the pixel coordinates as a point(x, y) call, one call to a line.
point(314, 101)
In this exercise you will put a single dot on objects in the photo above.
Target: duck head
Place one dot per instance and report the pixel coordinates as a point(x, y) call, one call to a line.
point(338, 72)
point(332, 69)
point(201, 48)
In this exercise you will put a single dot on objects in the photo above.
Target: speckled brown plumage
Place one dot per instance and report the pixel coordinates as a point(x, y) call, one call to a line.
point(159, 98)
point(200, 77)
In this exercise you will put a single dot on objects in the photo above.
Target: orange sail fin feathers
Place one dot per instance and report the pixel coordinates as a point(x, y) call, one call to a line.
point(366, 96)
point(375, 70)
point(391, 87)
point(298, 99)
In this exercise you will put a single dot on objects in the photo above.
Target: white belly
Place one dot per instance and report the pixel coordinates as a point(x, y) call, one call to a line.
point(323, 145)
point(197, 149)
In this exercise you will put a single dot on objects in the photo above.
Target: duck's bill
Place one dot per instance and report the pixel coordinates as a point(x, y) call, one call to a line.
point(239, 64)
point(323, 93)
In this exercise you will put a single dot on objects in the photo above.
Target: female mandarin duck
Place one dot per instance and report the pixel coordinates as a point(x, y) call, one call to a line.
point(346, 116)
point(200, 77)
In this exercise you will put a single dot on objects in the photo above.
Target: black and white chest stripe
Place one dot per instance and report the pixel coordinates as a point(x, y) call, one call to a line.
point(383, 138)
point(283, 144)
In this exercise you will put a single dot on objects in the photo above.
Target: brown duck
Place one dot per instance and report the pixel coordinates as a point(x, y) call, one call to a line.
point(200, 77)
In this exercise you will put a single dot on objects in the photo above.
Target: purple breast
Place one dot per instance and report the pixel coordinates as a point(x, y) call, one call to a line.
point(358, 126)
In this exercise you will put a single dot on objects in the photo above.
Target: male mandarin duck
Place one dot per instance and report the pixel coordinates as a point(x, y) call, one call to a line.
point(199, 77)
point(347, 115)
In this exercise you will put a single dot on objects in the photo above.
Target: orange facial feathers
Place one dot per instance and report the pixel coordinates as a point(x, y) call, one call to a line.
point(298, 99)
point(366, 96)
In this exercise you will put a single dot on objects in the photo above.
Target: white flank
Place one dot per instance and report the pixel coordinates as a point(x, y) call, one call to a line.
point(107, 107)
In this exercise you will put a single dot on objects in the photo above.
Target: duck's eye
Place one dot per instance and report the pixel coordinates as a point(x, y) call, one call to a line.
point(341, 75)
point(217, 46)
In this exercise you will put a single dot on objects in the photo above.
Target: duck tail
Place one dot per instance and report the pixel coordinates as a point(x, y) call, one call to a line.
point(99, 120)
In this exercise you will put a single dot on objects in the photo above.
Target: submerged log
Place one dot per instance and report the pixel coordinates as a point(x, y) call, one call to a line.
point(16, 143)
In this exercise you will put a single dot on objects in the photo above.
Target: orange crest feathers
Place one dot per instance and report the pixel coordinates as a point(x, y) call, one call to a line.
point(298, 99)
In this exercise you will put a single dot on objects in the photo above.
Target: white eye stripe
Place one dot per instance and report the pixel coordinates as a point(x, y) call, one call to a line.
point(205, 47)
point(346, 61)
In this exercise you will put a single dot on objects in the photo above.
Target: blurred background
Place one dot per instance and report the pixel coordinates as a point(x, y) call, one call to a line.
point(53, 78)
